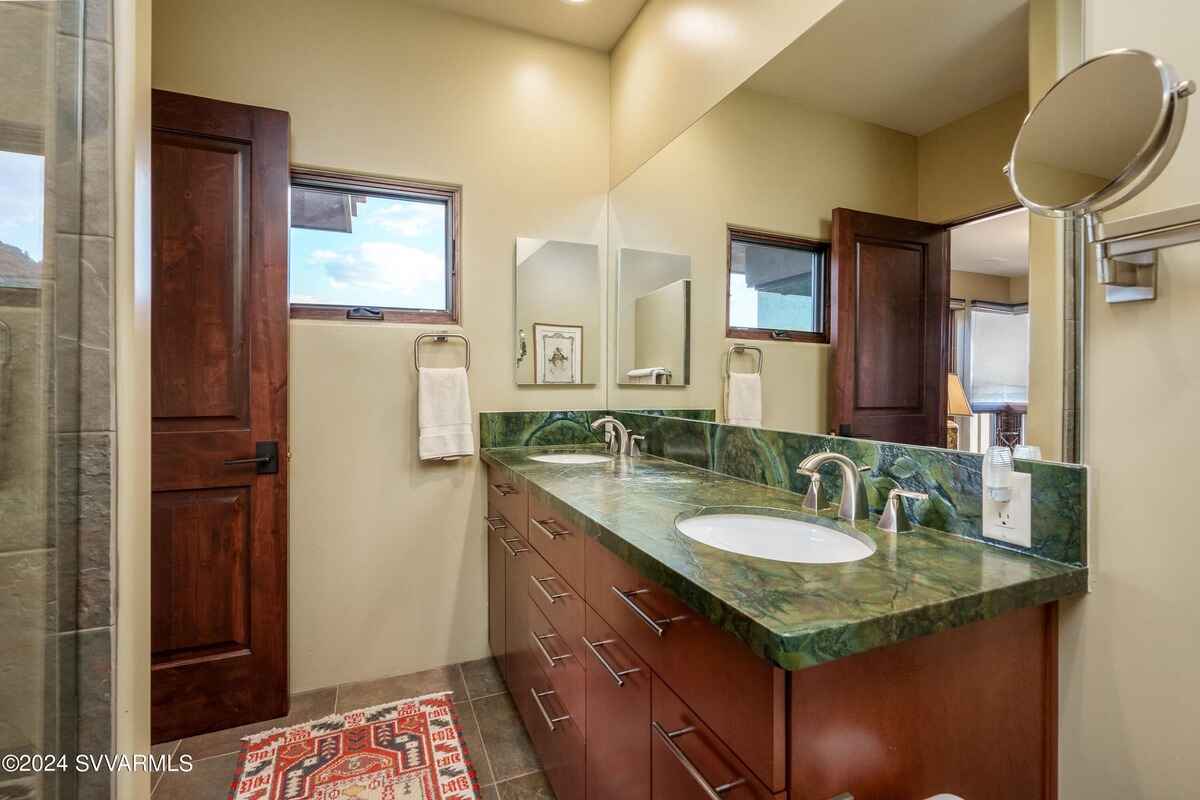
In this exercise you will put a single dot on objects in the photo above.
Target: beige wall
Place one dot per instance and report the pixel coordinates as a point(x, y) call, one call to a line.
point(131, 301)
point(1130, 695)
point(996, 288)
point(680, 57)
point(762, 162)
point(387, 555)
point(959, 164)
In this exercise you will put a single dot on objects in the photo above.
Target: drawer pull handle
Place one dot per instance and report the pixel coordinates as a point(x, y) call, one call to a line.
point(508, 545)
point(618, 676)
point(537, 699)
point(710, 791)
point(503, 489)
point(656, 625)
point(549, 527)
point(540, 583)
point(495, 522)
point(551, 660)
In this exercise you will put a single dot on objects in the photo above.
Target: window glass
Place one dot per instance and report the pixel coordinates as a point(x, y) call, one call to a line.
point(999, 358)
point(21, 224)
point(352, 248)
point(776, 288)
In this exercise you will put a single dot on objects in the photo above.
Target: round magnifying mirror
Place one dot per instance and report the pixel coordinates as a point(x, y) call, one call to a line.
point(1100, 135)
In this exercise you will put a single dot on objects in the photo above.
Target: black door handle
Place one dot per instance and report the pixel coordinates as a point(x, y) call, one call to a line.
point(265, 458)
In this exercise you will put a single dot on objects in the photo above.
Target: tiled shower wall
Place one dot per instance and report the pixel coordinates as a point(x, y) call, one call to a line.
point(56, 424)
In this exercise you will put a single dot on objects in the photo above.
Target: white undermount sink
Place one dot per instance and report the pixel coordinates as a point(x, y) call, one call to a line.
point(571, 458)
point(774, 537)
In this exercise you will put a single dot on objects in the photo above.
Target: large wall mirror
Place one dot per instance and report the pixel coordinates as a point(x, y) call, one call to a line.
point(851, 238)
point(558, 312)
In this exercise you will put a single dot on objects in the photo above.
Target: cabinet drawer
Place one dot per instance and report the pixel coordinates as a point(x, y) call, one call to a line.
point(558, 541)
point(559, 664)
point(698, 660)
point(558, 600)
point(689, 762)
point(505, 495)
point(558, 740)
point(618, 717)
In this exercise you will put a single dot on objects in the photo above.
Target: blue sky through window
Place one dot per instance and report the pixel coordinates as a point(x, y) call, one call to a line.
point(22, 202)
point(394, 257)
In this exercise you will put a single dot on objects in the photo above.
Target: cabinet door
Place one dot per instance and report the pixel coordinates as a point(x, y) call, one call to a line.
point(516, 601)
point(497, 565)
point(618, 716)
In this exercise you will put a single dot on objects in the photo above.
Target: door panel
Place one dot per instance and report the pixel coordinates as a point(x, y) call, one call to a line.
point(891, 283)
point(218, 387)
point(618, 717)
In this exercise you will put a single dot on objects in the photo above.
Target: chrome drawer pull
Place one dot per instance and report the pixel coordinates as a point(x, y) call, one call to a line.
point(537, 698)
point(710, 791)
point(496, 522)
point(656, 625)
point(553, 598)
point(503, 489)
point(508, 545)
point(551, 660)
point(545, 526)
point(619, 677)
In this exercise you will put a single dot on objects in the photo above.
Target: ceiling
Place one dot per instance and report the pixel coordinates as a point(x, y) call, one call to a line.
point(597, 24)
point(994, 246)
point(911, 66)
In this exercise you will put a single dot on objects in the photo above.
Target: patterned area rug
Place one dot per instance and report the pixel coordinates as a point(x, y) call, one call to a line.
point(407, 750)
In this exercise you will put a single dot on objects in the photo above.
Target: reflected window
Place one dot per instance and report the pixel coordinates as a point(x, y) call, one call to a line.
point(778, 287)
point(999, 357)
point(22, 204)
point(370, 245)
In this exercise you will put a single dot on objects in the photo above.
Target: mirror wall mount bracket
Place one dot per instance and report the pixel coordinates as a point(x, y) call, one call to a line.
point(1127, 249)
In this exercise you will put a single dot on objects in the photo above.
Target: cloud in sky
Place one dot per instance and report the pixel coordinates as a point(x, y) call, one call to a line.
point(407, 219)
point(381, 265)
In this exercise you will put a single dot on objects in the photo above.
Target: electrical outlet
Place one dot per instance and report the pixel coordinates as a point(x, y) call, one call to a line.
point(1010, 522)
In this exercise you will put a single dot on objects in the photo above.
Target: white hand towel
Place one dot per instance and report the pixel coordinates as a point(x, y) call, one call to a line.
point(646, 374)
point(743, 399)
point(444, 414)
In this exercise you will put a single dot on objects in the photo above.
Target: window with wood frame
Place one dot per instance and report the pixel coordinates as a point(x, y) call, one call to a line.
point(778, 287)
point(373, 248)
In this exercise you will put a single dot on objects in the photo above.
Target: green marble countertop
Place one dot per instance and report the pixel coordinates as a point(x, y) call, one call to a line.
point(795, 615)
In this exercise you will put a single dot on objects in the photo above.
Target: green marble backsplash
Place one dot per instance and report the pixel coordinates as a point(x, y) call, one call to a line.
point(953, 480)
point(546, 428)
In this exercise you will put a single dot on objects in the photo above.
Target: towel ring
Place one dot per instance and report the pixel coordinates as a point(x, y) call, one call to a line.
point(441, 337)
point(742, 348)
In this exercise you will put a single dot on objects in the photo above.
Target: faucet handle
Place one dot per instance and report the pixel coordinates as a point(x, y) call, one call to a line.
point(814, 499)
point(894, 518)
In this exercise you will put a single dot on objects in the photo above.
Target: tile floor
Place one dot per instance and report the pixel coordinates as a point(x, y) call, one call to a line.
point(496, 742)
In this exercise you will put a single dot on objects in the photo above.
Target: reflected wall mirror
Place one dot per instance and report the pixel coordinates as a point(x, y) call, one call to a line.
point(558, 312)
point(654, 318)
point(867, 156)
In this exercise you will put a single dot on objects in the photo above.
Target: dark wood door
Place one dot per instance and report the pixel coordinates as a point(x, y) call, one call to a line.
point(219, 188)
point(890, 281)
point(618, 717)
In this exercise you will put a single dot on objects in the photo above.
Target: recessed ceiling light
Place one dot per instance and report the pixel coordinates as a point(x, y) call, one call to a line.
point(574, 2)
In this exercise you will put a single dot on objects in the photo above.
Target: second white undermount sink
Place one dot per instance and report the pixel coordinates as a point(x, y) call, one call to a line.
point(571, 458)
point(774, 537)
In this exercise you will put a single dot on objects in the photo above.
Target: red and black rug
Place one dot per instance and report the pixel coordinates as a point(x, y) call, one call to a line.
point(407, 750)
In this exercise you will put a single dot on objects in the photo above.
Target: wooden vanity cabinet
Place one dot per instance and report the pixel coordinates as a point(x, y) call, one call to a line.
point(497, 560)
point(618, 716)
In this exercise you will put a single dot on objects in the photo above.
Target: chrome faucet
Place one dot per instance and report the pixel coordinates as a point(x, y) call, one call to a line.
point(853, 505)
point(616, 435)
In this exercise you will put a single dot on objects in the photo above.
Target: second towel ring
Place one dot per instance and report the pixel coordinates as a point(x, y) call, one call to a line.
point(441, 336)
point(742, 348)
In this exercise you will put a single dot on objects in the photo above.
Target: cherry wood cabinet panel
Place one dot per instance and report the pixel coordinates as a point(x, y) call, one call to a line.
point(498, 555)
point(558, 741)
point(618, 717)
point(516, 605)
point(679, 763)
point(505, 492)
point(558, 542)
point(970, 711)
point(561, 666)
point(698, 660)
point(561, 602)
